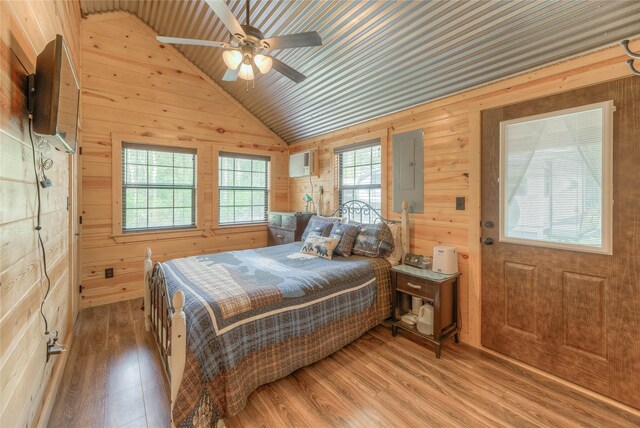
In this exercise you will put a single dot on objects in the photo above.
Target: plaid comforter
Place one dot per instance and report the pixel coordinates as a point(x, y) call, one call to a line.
point(255, 316)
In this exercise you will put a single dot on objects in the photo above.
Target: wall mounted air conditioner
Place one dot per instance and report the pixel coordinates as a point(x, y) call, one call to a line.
point(302, 164)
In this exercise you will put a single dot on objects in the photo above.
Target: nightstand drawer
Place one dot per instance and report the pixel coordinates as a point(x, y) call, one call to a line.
point(417, 286)
point(289, 221)
point(286, 227)
point(275, 219)
point(279, 236)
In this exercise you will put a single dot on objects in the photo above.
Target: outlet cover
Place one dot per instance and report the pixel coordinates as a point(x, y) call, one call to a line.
point(108, 273)
point(460, 203)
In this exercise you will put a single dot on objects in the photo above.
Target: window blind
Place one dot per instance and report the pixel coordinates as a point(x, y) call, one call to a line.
point(351, 147)
point(156, 148)
point(244, 156)
point(553, 178)
point(243, 188)
point(158, 187)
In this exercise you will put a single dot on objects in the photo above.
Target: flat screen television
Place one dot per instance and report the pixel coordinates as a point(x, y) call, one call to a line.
point(56, 97)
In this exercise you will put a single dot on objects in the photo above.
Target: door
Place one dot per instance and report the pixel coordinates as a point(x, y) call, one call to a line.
point(74, 236)
point(549, 298)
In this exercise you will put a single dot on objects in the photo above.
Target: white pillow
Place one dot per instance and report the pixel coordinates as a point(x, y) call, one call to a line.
point(320, 246)
point(396, 232)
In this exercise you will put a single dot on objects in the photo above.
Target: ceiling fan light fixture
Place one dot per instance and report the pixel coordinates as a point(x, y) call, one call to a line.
point(246, 72)
point(240, 53)
point(263, 62)
point(232, 59)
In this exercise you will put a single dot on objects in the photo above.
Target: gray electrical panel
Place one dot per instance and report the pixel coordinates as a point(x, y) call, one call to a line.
point(408, 171)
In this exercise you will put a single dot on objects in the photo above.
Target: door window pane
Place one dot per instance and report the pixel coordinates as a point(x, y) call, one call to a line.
point(555, 189)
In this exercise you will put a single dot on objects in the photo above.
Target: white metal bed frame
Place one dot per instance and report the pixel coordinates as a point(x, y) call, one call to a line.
point(164, 316)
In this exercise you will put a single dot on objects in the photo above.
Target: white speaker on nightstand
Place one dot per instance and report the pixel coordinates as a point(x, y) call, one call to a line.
point(445, 259)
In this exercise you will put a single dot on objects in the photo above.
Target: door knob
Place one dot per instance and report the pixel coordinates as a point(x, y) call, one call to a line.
point(487, 241)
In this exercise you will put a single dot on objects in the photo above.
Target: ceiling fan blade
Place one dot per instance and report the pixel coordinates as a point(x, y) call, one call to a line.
point(224, 13)
point(298, 40)
point(291, 73)
point(231, 75)
point(193, 42)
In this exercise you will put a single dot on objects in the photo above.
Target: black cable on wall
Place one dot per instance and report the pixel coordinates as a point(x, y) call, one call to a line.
point(39, 228)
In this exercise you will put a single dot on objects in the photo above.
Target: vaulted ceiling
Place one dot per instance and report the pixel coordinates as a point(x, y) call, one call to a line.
point(383, 56)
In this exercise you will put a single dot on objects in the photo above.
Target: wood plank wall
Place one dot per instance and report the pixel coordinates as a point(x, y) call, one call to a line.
point(446, 166)
point(137, 87)
point(452, 160)
point(25, 380)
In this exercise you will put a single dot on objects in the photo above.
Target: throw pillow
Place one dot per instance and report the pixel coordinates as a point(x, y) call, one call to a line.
point(318, 226)
point(320, 246)
point(396, 232)
point(374, 240)
point(347, 234)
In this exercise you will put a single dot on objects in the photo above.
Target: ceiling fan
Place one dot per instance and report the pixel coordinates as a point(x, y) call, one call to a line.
point(244, 54)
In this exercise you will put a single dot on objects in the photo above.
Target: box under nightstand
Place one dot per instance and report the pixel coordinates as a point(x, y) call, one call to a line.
point(438, 289)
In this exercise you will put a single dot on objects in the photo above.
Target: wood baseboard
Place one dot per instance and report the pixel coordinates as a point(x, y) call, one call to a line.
point(54, 382)
point(565, 382)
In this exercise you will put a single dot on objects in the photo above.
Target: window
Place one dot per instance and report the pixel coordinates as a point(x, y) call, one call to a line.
point(158, 187)
point(243, 188)
point(360, 173)
point(556, 190)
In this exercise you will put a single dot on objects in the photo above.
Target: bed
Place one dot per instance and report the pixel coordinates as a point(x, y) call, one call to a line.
point(237, 320)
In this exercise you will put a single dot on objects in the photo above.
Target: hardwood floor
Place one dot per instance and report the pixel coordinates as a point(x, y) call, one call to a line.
point(113, 376)
point(114, 379)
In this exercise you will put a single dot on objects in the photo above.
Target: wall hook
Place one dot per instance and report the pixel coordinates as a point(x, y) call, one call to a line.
point(625, 45)
point(632, 68)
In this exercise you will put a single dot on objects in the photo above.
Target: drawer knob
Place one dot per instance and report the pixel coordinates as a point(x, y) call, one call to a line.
point(279, 236)
point(417, 287)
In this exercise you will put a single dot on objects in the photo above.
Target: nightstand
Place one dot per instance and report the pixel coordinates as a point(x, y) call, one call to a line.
point(285, 228)
point(438, 289)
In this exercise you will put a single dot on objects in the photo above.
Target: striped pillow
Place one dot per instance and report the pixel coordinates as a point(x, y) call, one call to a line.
point(374, 240)
point(347, 234)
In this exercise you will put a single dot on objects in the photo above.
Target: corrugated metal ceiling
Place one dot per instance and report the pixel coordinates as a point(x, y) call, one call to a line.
point(383, 56)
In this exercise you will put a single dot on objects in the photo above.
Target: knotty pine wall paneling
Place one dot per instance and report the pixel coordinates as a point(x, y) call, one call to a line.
point(139, 90)
point(27, 383)
point(452, 160)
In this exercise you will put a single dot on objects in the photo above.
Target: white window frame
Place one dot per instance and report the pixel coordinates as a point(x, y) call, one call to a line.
point(377, 142)
point(608, 109)
point(167, 149)
point(269, 174)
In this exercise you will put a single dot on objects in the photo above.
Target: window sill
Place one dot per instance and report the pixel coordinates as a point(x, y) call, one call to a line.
point(157, 235)
point(240, 228)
